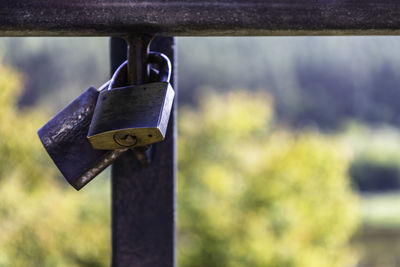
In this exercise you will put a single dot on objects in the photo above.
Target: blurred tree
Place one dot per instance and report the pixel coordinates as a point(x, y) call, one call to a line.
point(376, 157)
point(41, 222)
point(370, 175)
point(314, 80)
point(248, 195)
point(58, 69)
point(253, 196)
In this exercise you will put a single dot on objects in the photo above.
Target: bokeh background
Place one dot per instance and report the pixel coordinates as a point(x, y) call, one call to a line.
point(289, 153)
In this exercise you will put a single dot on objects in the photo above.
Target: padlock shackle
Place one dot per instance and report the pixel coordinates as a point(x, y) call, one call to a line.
point(104, 86)
point(157, 58)
point(163, 63)
point(117, 73)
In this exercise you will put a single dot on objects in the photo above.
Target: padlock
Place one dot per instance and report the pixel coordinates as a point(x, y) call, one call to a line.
point(133, 116)
point(65, 140)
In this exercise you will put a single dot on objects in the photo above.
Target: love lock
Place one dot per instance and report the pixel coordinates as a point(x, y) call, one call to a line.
point(136, 115)
point(65, 135)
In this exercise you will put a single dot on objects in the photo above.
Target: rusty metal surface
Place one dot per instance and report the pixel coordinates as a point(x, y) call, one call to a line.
point(196, 17)
point(64, 138)
point(143, 198)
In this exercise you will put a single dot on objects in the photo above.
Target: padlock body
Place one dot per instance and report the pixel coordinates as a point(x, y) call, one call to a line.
point(65, 139)
point(140, 111)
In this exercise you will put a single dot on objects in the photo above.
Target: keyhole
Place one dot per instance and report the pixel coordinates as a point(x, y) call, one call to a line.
point(125, 140)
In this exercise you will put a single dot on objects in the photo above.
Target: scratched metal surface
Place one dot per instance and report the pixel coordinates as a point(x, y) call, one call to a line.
point(198, 18)
point(64, 138)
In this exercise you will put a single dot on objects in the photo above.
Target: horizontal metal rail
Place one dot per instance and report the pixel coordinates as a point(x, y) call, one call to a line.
point(199, 18)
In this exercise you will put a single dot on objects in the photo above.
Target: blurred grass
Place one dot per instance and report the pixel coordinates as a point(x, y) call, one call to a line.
point(380, 143)
point(378, 247)
point(376, 150)
point(381, 210)
point(378, 239)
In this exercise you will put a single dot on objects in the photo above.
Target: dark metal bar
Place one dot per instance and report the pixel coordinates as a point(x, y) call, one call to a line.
point(143, 198)
point(138, 50)
point(196, 17)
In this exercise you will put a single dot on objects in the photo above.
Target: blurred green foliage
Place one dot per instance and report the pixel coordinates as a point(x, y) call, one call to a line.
point(318, 81)
point(314, 80)
point(56, 69)
point(41, 222)
point(250, 195)
point(370, 175)
point(376, 157)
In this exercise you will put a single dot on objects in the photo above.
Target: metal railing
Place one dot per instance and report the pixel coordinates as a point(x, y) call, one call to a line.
point(199, 18)
point(143, 199)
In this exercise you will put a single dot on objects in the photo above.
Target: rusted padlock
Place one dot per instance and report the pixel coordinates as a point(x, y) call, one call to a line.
point(64, 138)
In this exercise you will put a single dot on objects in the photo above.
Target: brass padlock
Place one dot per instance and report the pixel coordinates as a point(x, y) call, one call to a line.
point(133, 116)
point(65, 139)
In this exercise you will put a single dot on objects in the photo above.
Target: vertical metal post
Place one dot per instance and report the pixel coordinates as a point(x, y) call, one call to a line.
point(143, 198)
